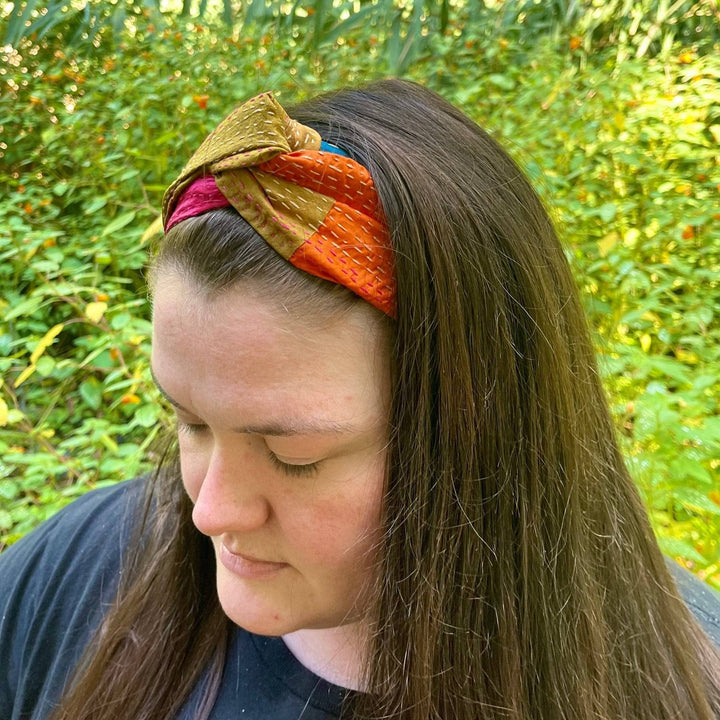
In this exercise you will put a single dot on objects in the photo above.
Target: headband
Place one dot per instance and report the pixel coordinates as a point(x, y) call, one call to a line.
point(314, 205)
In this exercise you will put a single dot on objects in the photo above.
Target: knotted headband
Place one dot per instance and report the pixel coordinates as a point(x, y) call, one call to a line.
point(316, 207)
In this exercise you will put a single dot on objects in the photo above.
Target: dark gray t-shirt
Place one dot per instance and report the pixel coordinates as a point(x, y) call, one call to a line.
point(57, 583)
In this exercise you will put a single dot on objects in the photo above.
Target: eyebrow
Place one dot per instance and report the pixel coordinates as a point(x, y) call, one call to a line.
point(310, 426)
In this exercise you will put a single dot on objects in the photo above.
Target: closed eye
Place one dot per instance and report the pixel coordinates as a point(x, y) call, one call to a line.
point(292, 469)
point(190, 428)
point(305, 470)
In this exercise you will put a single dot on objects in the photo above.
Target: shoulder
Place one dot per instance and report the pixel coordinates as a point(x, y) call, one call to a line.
point(702, 600)
point(55, 586)
point(78, 537)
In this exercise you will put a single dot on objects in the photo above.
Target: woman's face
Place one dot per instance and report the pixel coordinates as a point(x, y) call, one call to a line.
point(282, 425)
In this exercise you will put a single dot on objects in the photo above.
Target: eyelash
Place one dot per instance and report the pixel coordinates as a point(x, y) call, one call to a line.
point(190, 428)
point(306, 470)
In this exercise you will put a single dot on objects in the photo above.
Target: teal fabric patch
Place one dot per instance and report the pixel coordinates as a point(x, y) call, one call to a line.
point(327, 147)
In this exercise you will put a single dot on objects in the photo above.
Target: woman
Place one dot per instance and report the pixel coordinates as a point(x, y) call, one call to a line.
point(398, 491)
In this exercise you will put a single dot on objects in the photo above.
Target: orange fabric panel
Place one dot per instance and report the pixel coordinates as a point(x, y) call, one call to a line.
point(345, 250)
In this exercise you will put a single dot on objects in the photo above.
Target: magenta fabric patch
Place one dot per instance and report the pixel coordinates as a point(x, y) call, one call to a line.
point(201, 196)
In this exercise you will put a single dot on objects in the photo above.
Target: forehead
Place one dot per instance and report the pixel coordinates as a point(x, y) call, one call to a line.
point(245, 351)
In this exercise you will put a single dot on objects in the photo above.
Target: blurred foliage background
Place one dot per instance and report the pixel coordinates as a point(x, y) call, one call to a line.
point(613, 109)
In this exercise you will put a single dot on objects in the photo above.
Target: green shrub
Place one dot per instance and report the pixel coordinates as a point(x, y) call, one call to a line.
point(625, 152)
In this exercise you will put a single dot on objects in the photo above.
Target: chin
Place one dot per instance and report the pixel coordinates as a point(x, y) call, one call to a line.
point(263, 607)
point(253, 611)
point(259, 613)
point(259, 623)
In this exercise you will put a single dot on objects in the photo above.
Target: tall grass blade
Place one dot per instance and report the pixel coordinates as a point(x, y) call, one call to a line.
point(344, 26)
point(15, 29)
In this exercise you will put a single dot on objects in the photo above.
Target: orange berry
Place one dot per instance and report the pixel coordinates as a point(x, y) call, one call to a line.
point(575, 42)
point(102, 297)
point(129, 399)
point(686, 58)
point(201, 100)
point(50, 242)
point(28, 208)
point(688, 233)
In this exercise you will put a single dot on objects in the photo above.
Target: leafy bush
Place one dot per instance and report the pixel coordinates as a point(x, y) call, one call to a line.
point(403, 28)
point(624, 150)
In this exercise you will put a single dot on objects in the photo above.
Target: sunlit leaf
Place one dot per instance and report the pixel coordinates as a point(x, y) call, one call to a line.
point(155, 228)
point(45, 342)
point(24, 375)
point(95, 310)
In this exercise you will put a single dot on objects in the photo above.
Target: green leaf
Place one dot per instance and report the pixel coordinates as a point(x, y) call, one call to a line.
point(24, 308)
point(146, 415)
point(9, 489)
point(45, 366)
point(120, 321)
point(118, 223)
point(674, 547)
point(91, 393)
point(95, 204)
point(607, 212)
point(697, 501)
point(502, 81)
point(6, 521)
point(671, 368)
point(684, 469)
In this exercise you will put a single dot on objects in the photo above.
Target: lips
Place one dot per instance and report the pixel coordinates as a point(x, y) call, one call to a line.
point(247, 566)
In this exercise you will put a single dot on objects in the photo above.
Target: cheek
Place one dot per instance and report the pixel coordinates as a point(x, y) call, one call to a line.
point(343, 525)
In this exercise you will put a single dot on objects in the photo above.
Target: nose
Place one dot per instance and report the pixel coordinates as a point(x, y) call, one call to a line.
point(230, 497)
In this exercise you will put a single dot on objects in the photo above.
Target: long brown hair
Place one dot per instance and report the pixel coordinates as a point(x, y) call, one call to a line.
point(519, 578)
